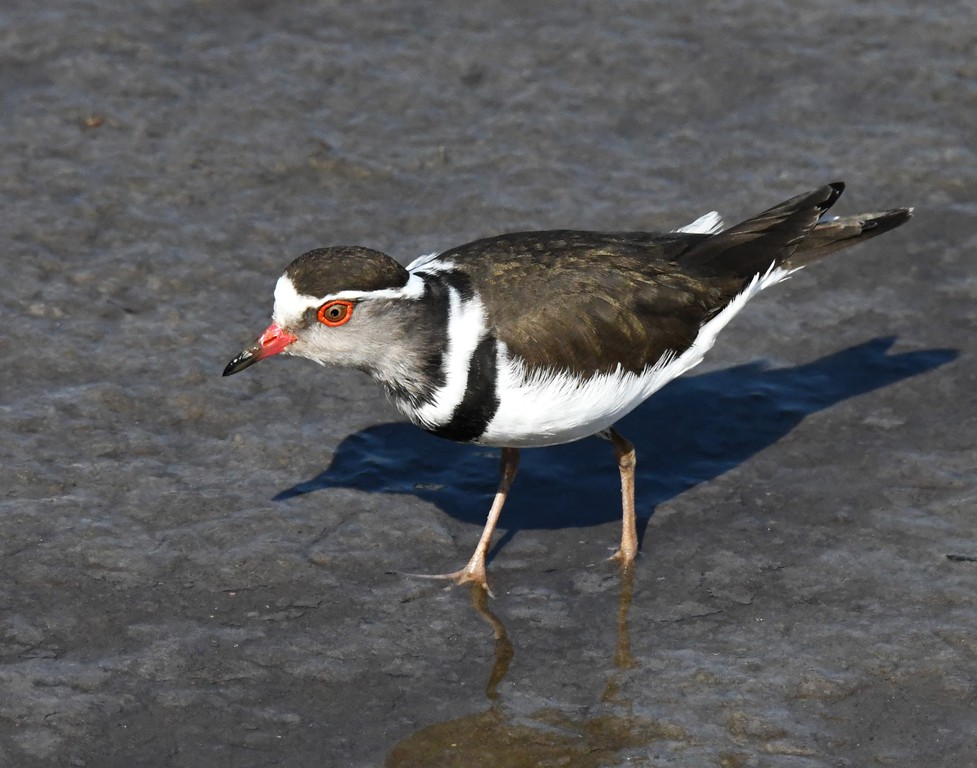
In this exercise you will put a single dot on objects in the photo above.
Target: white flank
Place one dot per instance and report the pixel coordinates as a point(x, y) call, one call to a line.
point(466, 328)
point(547, 408)
point(709, 224)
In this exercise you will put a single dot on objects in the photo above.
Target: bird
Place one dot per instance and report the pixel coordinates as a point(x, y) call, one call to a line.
point(537, 338)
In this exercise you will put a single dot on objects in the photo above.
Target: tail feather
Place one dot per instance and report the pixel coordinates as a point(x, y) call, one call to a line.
point(830, 235)
point(792, 234)
point(768, 238)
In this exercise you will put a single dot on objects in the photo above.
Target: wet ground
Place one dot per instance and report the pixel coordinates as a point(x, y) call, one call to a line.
point(197, 571)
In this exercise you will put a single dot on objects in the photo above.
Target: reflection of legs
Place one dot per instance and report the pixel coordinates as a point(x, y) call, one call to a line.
point(613, 692)
point(624, 452)
point(475, 571)
point(503, 646)
point(622, 650)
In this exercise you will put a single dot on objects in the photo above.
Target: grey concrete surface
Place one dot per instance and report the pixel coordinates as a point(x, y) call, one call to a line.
point(197, 571)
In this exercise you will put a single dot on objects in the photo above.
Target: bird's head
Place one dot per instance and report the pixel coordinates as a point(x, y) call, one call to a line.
point(333, 305)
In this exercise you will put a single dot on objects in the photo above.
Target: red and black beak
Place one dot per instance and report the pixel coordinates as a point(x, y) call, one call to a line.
point(271, 342)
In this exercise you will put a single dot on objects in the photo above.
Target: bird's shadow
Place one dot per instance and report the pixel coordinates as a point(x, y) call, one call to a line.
point(695, 429)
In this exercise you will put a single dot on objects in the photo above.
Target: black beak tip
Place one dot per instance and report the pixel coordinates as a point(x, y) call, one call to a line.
point(239, 363)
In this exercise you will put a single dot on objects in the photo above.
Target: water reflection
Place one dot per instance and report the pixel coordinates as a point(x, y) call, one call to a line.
point(548, 736)
point(504, 650)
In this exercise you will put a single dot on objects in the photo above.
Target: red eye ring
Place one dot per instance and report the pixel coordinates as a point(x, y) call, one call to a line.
point(335, 313)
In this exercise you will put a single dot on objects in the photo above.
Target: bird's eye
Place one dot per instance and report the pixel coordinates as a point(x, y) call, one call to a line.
point(335, 313)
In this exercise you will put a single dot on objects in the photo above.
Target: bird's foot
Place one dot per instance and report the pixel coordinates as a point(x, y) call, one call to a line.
point(625, 557)
point(473, 573)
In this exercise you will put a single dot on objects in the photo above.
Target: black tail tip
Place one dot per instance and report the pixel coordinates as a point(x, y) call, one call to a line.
point(890, 219)
point(836, 188)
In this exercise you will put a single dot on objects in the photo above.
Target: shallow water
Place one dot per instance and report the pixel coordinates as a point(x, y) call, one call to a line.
point(206, 571)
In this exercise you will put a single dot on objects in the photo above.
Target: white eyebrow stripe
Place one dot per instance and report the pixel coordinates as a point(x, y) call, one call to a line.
point(412, 289)
point(290, 304)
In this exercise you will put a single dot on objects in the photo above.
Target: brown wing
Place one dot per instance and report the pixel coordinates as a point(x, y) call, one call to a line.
point(589, 302)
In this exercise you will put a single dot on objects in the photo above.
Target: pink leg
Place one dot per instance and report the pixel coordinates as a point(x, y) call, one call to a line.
point(624, 452)
point(475, 572)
